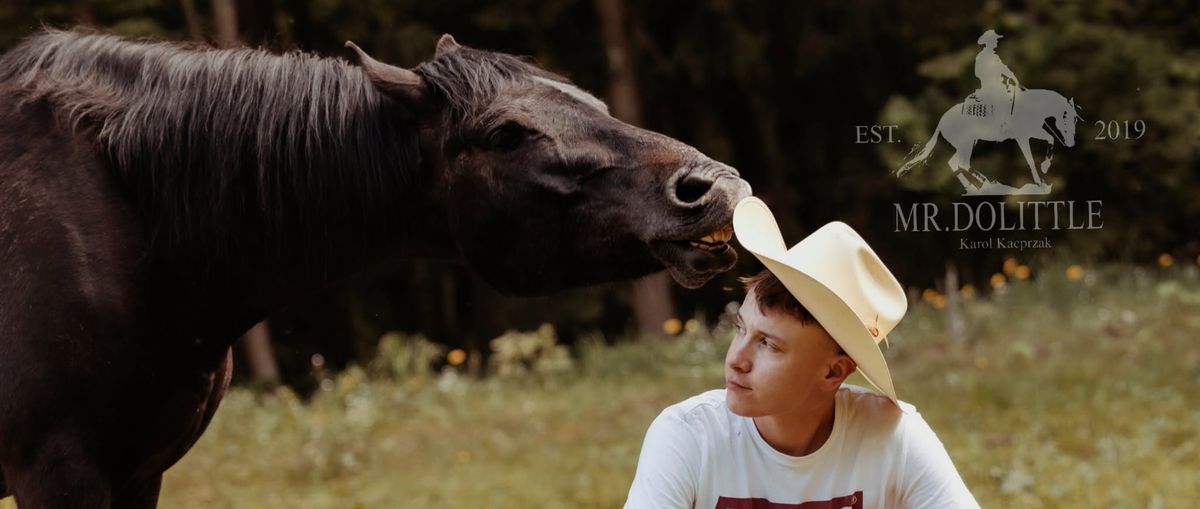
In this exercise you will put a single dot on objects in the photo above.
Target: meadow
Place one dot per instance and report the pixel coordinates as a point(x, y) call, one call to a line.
point(1071, 387)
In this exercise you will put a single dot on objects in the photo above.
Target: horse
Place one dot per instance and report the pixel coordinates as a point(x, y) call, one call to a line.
point(160, 198)
point(1030, 109)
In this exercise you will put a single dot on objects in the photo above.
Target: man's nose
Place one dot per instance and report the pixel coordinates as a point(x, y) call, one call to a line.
point(738, 358)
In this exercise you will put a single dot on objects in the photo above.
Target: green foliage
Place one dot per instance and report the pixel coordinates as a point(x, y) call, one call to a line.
point(404, 357)
point(516, 354)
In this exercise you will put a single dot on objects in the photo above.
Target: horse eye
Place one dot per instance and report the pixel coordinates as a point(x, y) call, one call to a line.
point(506, 137)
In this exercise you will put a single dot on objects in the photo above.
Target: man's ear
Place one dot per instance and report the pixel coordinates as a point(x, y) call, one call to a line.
point(841, 366)
point(399, 83)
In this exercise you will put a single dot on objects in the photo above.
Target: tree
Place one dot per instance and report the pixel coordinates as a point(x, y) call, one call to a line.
point(650, 296)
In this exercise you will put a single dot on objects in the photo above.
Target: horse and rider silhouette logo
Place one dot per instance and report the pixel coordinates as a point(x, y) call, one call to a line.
point(1001, 110)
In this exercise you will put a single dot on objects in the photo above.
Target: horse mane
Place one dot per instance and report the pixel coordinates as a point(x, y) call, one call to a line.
point(214, 141)
point(465, 77)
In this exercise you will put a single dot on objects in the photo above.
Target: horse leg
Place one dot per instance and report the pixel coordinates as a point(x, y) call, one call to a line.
point(1037, 178)
point(61, 474)
point(67, 482)
point(171, 427)
point(981, 178)
point(960, 164)
point(966, 183)
point(139, 495)
point(964, 156)
point(963, 180)
point(1049, 156)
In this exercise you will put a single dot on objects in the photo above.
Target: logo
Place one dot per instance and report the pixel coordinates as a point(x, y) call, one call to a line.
point(1001, 109)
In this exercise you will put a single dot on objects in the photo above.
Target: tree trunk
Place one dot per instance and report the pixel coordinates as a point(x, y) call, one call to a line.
point(260, 357)
point(954, 319)
point(193, 19)
point(651, 295)
point(225, 21)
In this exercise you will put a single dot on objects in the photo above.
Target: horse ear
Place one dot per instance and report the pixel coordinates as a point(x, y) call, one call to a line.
point(396, 82)
point(445, 45)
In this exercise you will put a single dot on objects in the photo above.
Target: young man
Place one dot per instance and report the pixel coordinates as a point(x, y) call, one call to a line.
point(785, 432)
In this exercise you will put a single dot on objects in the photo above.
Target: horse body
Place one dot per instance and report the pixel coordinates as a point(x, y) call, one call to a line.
point(1029, 113)
point(158, 201)
point(70, 412)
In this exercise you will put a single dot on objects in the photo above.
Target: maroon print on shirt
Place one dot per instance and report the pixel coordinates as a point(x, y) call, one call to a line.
point(847, 502)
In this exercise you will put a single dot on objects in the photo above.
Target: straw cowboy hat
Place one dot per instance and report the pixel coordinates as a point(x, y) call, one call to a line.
point(838, 278)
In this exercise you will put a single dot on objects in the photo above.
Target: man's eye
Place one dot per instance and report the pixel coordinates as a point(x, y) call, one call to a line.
point(766, 344)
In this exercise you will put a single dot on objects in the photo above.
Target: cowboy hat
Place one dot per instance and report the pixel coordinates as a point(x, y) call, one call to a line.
point(838, 278)
point(989, 36)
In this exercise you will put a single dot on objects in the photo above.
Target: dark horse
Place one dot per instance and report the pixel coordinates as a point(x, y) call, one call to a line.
point(157, 200)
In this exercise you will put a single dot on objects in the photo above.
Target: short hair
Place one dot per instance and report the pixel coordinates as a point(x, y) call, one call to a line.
point(770, 293)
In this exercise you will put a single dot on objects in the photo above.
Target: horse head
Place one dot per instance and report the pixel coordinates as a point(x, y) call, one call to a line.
point(1065, 122)
point(544, 189)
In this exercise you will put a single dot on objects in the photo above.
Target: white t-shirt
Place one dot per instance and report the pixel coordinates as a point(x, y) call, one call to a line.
point(698, 454)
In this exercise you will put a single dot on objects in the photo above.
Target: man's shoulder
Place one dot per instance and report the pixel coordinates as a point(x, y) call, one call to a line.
point(873, 414)
point(869, 401)
point(708, 404)
point(703, 413)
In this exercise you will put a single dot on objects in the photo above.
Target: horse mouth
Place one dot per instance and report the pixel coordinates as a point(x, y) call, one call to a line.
point(694, 262)
point(715, 242)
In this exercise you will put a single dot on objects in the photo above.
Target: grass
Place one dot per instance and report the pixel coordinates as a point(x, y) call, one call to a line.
point(1078, 394)
point(1063, 392)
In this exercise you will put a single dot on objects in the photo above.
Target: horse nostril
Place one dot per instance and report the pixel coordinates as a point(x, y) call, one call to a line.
point(691, 188)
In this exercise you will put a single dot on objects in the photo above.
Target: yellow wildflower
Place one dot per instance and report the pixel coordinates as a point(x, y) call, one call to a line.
point(672, 326)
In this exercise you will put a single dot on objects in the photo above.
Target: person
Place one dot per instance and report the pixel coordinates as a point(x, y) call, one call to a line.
point(786, 432)
point(992, 74)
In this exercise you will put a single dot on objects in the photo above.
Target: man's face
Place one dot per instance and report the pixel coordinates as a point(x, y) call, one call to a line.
point(776, 364)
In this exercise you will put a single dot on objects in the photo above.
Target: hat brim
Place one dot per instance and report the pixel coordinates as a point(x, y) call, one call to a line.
point(758, 232)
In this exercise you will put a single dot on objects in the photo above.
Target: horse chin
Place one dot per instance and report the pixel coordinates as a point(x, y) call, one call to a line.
point(692, 267)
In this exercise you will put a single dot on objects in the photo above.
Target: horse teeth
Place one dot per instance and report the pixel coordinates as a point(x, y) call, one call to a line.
point(723, 235)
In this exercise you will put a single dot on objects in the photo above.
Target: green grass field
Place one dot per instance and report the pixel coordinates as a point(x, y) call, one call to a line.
point(1065, 393)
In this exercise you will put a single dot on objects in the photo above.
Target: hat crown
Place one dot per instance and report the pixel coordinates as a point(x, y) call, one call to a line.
point(837, 256)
